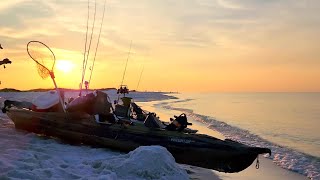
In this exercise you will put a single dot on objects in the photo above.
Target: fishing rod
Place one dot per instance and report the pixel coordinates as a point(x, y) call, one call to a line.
point(125, 68)
point(140, 78)
point(95, 54)
point(85, 47)
point(124, 72)
point(84, 65)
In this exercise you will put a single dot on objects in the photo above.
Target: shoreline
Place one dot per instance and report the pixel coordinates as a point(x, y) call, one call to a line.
point(267, 170)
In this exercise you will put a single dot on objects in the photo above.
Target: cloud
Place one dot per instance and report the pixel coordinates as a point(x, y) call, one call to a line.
point(229, 4)
point(226, 32)
point(8, 4)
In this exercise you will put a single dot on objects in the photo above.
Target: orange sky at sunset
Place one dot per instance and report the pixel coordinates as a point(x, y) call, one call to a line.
point(186, 46)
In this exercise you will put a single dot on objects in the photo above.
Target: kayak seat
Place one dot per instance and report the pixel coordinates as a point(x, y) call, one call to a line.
point(121, 110)
point(152, 121)
point(140, 114)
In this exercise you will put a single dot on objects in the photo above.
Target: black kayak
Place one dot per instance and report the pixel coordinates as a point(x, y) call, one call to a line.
point(98, 124)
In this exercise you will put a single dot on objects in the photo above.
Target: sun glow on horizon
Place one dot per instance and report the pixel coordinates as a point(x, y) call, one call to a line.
point(64, 66)
point(207, 46)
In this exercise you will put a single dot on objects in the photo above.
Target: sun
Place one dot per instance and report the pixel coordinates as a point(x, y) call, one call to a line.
point(64, 65)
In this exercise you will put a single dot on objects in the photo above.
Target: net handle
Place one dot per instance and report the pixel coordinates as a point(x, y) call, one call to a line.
point(54, 57)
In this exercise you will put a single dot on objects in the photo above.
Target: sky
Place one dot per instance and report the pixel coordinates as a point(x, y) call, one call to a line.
point(185, 46)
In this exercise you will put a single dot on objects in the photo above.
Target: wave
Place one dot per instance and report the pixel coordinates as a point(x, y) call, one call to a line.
point(283, 156)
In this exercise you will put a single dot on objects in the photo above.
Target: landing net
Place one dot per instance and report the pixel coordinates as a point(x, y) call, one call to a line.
point(43, 56)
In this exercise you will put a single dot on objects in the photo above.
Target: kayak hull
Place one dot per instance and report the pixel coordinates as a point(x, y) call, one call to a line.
point(193, 149)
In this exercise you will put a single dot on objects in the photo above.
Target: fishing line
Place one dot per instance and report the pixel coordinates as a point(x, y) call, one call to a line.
point(95, 54)
point(86, 60)
point(125, 68)
point(93, 24)
point(140, 78)
point(85, 45)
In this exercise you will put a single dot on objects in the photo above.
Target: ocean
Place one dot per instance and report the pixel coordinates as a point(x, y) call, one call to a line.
point(287, 123)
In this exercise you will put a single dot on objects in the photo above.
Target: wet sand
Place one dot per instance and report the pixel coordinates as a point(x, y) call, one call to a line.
point(268, 170)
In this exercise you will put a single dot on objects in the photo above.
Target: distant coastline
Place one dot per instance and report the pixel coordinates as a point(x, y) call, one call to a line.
point(48, 89)
point(67, 89)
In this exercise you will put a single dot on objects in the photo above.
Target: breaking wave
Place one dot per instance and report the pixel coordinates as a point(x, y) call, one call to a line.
point(281, 155)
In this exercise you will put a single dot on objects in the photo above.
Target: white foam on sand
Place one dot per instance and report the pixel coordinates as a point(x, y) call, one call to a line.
point(26, 155)
point(29, 156)
point(146, 162)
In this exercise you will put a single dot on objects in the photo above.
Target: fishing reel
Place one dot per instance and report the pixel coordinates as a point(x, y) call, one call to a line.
point(179, 123)
point(123, 90)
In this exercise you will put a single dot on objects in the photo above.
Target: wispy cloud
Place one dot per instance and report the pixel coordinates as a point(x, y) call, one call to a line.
point(149, 24)
point(252, 33)
point(9, 4)
point(230, 4)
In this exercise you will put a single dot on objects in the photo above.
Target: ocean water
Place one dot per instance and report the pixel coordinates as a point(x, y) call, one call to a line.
point(287, 123)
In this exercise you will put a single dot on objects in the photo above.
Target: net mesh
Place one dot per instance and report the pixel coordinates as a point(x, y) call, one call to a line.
point(43, 56)
point(43, 72)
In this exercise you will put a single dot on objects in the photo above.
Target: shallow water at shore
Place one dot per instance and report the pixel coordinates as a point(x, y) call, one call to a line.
point(287, 123)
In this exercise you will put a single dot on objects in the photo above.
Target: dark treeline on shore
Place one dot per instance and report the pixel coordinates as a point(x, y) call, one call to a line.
point(46, 89)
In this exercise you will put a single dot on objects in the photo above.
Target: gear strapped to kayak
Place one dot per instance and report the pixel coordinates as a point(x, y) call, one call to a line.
point(179, 123)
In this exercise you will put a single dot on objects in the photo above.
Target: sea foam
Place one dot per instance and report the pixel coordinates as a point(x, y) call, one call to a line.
point(27, 155)
point(283, 156)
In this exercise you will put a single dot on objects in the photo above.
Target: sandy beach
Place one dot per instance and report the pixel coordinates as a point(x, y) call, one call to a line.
point(268, 170)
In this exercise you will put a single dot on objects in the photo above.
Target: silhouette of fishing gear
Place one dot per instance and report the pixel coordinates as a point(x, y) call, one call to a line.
point(4, 61)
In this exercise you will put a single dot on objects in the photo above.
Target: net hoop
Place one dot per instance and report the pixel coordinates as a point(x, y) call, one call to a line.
point(35, 60)
point(44, 68)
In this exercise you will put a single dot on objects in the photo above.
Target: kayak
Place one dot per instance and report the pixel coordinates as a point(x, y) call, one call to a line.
point(125, 135)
